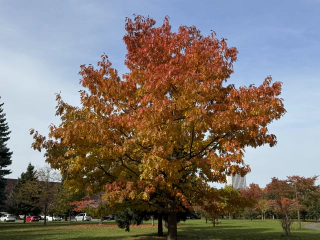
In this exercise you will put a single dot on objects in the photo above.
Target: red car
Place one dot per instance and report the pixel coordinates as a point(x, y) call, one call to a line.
point(32, 219)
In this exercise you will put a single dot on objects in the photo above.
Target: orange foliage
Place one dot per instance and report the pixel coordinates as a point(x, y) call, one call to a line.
point(165, 128)
point(283, 205)
point(252, 194)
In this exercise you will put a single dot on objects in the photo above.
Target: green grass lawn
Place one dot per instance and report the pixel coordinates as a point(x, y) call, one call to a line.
point(189, 230)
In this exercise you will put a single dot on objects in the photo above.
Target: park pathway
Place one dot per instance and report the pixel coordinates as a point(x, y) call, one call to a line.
point(313, 226)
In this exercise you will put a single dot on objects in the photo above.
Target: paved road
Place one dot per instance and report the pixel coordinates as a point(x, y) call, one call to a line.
point(72, 219)
point(313, 226)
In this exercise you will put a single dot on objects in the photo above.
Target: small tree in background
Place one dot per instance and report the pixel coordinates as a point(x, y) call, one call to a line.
point(5, 154)
point(285, 209)
point(26, 194)
point(48, 189)
point(306, 192)
point(281, 194)
point(253, 197)
point(100, 207)
point(129, 216)
point(262, 206)
point(314, 212)
point(250, 213)
point(301, 191)
point(64, 199)
point(94, 205)
point(216, 202)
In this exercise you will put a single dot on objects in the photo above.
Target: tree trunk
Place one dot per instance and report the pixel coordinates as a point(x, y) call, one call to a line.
point(45, 213)
point(24, 218)
point(160, 227)
point(101, 219)
point(286, 222)
point(172, 226)
point(70, 216)
point(214, 222)
point(152, 218)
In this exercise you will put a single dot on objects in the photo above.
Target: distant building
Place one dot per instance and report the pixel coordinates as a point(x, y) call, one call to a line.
point(11, 184)
point(236, 181)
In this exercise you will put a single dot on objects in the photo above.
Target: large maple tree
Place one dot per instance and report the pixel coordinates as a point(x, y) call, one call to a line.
point(168, 127)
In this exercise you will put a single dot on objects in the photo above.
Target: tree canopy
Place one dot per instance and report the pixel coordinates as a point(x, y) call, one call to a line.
point(165, 129)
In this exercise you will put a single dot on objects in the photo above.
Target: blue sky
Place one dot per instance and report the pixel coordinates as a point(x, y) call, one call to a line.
point(43, 44)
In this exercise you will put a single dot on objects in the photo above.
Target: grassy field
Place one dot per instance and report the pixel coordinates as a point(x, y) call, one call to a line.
point(189, 230)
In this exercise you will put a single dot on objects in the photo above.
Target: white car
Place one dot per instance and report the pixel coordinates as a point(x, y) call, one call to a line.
point(7, 218)
point(53, 218)
point(83, 217)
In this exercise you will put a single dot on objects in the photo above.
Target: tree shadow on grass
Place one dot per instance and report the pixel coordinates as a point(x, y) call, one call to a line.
point(225, 233)
point(243, 233)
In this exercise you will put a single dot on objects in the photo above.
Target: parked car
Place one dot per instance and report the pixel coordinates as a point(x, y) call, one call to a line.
point(32, 219)
point(7, 218)
point(53, 218)
point(83, 217)
point(109, 217)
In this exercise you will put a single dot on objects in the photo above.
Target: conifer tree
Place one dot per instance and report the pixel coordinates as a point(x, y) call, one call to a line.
point(26, 194)
point(5, 154)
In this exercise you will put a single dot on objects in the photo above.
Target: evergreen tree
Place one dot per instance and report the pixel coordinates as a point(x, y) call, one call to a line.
point(5, 154)
point(26, 194)
point(29, 175)
point(130, 216)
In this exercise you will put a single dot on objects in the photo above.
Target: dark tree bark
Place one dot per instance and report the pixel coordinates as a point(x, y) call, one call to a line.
point(160, 227)
point(172, 226)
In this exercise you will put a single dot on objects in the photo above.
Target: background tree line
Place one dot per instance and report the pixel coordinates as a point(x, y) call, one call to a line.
point(41, 191)
point(44, 191)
